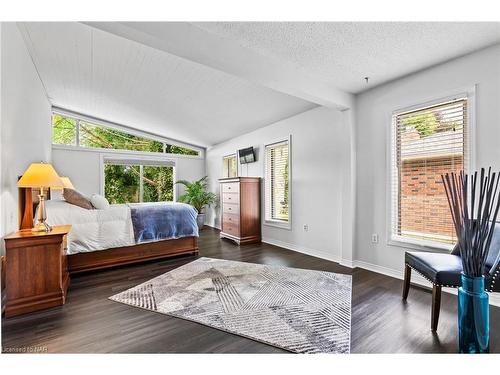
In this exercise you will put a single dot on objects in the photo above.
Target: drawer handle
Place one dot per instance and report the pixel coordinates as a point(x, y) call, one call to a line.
point(229, 219)
point(229, 187)
point(229, 208)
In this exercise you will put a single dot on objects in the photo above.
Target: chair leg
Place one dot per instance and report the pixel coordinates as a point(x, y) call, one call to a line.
point(436, 305)
point(406, 282)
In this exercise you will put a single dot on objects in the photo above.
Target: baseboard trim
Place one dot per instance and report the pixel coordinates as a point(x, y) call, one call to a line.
point(415, 278)
point(302, 249)
point(213, 226)
point(347, 263)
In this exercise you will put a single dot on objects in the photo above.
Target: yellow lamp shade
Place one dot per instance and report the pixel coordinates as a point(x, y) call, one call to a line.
point(40, 175)
point(67, 183)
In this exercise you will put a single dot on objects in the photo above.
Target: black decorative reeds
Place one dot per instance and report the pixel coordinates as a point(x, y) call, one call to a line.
point(474, 211)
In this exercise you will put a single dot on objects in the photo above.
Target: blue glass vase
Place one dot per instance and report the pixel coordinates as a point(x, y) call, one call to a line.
point(473, 316)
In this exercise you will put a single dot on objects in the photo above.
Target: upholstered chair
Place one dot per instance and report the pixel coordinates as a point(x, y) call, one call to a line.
point(443, 270)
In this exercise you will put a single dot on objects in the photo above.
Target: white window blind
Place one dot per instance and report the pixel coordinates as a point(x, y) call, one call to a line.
point(229, 168)
point(277, 202)
point(139, 161)
point(427, 142)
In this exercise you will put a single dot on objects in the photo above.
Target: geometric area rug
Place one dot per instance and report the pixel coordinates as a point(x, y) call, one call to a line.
point(298, 310)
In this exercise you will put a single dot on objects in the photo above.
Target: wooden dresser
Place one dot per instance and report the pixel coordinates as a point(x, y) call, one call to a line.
point(240, 209)
point(36, 270)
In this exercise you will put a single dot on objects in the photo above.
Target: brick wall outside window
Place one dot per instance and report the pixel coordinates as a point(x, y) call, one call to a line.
point(423, 205)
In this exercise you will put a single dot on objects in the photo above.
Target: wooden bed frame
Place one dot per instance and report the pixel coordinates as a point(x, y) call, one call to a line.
point(101, 259)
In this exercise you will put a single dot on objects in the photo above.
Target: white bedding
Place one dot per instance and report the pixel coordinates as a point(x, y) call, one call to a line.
point(92, 229)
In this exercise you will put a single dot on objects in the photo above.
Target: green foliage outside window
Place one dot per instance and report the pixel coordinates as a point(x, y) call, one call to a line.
point(280, 182)
point(425, 124)
point(122, 183)
point(64, 130)
point(430, 123)
point(158, 184)
point(95, 136)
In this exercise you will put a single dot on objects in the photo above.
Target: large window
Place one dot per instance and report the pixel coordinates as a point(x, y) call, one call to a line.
point(229, 166)
point(133, 181)
point(427, 142)
point(73, 131)
point(277, 183)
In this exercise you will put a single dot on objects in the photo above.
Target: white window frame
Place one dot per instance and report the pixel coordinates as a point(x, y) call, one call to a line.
point(136, 159)
point(235, 154)
point(469, 159)
point(267, 221)
point(111, 125)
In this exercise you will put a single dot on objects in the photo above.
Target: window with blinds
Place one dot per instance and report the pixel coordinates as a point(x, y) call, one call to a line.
point(229, 166)
point(277, 203)
point(427, 142)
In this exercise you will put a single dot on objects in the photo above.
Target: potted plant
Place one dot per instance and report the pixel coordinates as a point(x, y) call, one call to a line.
point(196, 195)
point(474, 203)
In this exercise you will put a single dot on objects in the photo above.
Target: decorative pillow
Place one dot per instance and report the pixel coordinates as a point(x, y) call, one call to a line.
point(78, 199)
point(99, 202)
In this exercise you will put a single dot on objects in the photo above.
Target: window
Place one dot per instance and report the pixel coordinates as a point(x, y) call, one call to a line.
point(133, 181)
point(63, 130)
point(73, 131)
point(427, 142)
point(277, 185)
point(229, 167)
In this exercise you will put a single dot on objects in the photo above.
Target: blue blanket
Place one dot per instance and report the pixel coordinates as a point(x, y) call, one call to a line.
point(163, 220)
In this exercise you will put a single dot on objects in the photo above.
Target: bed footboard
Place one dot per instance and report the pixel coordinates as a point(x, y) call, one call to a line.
point(102, 259)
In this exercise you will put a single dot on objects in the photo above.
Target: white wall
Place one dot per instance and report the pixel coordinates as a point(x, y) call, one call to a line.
point(25, 121)
point(319, 155)
point(83, 167)
point(374, 110)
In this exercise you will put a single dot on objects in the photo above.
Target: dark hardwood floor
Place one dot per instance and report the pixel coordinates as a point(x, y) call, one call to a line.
point(89, 322)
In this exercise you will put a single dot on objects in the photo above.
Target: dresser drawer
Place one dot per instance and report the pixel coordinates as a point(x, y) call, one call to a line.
point(231, 187)
point(231, 198)
point(231, 228)
point(231, 219)
point(229, 208)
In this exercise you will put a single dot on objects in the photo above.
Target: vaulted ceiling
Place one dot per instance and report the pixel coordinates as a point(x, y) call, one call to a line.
point(99, 74)
point(343, 53)
point(204, 83)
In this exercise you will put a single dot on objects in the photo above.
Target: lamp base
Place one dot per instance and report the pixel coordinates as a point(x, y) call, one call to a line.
point(41, 227)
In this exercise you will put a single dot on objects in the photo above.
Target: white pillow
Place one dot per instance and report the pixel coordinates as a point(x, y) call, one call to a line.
point(99, 202)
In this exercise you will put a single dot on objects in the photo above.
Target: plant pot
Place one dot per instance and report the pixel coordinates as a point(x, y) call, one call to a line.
point(473, 316)
point(200, 220)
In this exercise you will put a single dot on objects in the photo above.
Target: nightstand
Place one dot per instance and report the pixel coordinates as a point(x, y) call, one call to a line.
point(36, 270)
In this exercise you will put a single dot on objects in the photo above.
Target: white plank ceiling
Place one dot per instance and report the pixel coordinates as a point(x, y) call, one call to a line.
point(112, 78)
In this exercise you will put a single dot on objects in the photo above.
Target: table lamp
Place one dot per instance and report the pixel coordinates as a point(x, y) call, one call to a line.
point(41, 176)
point(67, 184)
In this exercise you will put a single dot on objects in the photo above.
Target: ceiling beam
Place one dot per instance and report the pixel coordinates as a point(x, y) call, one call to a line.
point(192, 43)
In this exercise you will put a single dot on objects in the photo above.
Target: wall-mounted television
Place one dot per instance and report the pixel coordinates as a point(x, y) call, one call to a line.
point(247, 155)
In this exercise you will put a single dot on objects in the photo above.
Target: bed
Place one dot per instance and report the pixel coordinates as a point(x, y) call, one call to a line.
point(122, 234)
